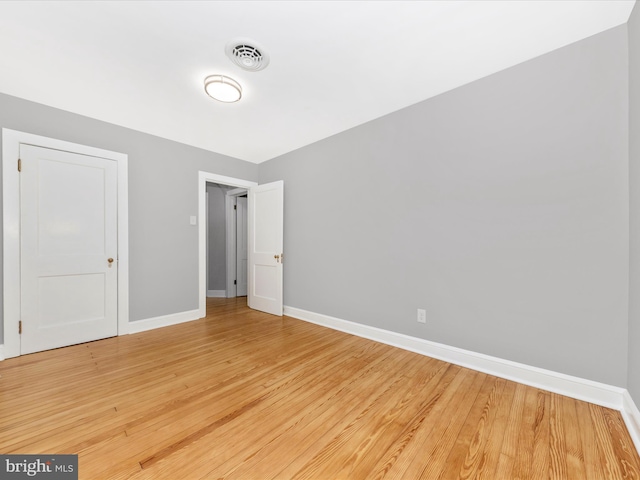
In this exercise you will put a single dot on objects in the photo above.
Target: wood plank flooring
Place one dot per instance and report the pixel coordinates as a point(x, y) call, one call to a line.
point(245, 395)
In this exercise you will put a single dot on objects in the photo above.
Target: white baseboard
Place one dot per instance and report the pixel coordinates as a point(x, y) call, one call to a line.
point(631, 416)
point(574, 387)
point(150, 324)
point(217, 293)
point(163, 321)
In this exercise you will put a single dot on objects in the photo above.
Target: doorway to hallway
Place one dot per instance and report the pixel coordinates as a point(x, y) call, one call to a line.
point(227, 250)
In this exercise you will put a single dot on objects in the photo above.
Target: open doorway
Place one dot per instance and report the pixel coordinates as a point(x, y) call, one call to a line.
point(226, 241)
point(265, 232)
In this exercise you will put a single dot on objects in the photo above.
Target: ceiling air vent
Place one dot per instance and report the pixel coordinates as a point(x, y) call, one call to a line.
point(247, 55)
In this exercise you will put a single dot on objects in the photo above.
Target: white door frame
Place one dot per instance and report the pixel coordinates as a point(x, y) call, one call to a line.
point(230, 200)
point(11, 140)
point(203, 178)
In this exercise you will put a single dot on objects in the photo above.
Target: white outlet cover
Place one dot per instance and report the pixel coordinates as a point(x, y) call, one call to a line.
point(192, 219)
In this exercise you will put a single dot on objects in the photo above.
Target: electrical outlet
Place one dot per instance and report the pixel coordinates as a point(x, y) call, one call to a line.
point(422, 316)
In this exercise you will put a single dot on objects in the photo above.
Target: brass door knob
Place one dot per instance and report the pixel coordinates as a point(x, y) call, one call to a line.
point(110, 260)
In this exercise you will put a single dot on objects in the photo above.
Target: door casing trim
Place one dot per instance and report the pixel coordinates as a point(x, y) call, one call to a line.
point(11, 140)
point(203, 178)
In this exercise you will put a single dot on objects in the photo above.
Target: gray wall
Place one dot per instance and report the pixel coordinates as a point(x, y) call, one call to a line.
point(500, 207)
point(216, 238)
point(634, 182)
point(163, 178)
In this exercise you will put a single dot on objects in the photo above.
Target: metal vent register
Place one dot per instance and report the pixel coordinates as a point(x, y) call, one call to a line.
point(247, 55)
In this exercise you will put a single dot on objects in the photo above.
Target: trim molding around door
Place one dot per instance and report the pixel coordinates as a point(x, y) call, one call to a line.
point(203, 178)
point(11, 140)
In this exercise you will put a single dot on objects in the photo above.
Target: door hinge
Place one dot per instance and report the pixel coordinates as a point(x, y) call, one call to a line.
point(19, 327)
point(235, 282)
point(19, 165)
point(235, 207)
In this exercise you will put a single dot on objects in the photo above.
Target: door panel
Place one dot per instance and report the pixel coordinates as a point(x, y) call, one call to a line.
point(54, 313)
point(266, 203)
point(68, 228)
point(266, 285)
point(69, 222)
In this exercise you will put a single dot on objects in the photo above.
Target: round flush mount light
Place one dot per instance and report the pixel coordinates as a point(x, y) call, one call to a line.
point(222, 88)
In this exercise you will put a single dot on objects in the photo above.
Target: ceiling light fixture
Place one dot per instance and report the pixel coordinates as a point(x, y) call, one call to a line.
point(222, 88)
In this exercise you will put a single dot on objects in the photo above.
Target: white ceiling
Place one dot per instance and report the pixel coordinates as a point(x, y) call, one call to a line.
point(334, 64)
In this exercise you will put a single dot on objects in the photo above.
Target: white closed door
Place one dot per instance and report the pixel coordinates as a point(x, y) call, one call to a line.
point(265, 226)
point(68, 235)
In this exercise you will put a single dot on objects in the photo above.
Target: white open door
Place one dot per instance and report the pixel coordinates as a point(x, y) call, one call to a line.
point(266, 232)
point(68, 226)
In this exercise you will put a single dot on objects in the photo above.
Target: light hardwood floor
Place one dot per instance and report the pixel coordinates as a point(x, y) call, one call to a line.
point(245, 395)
